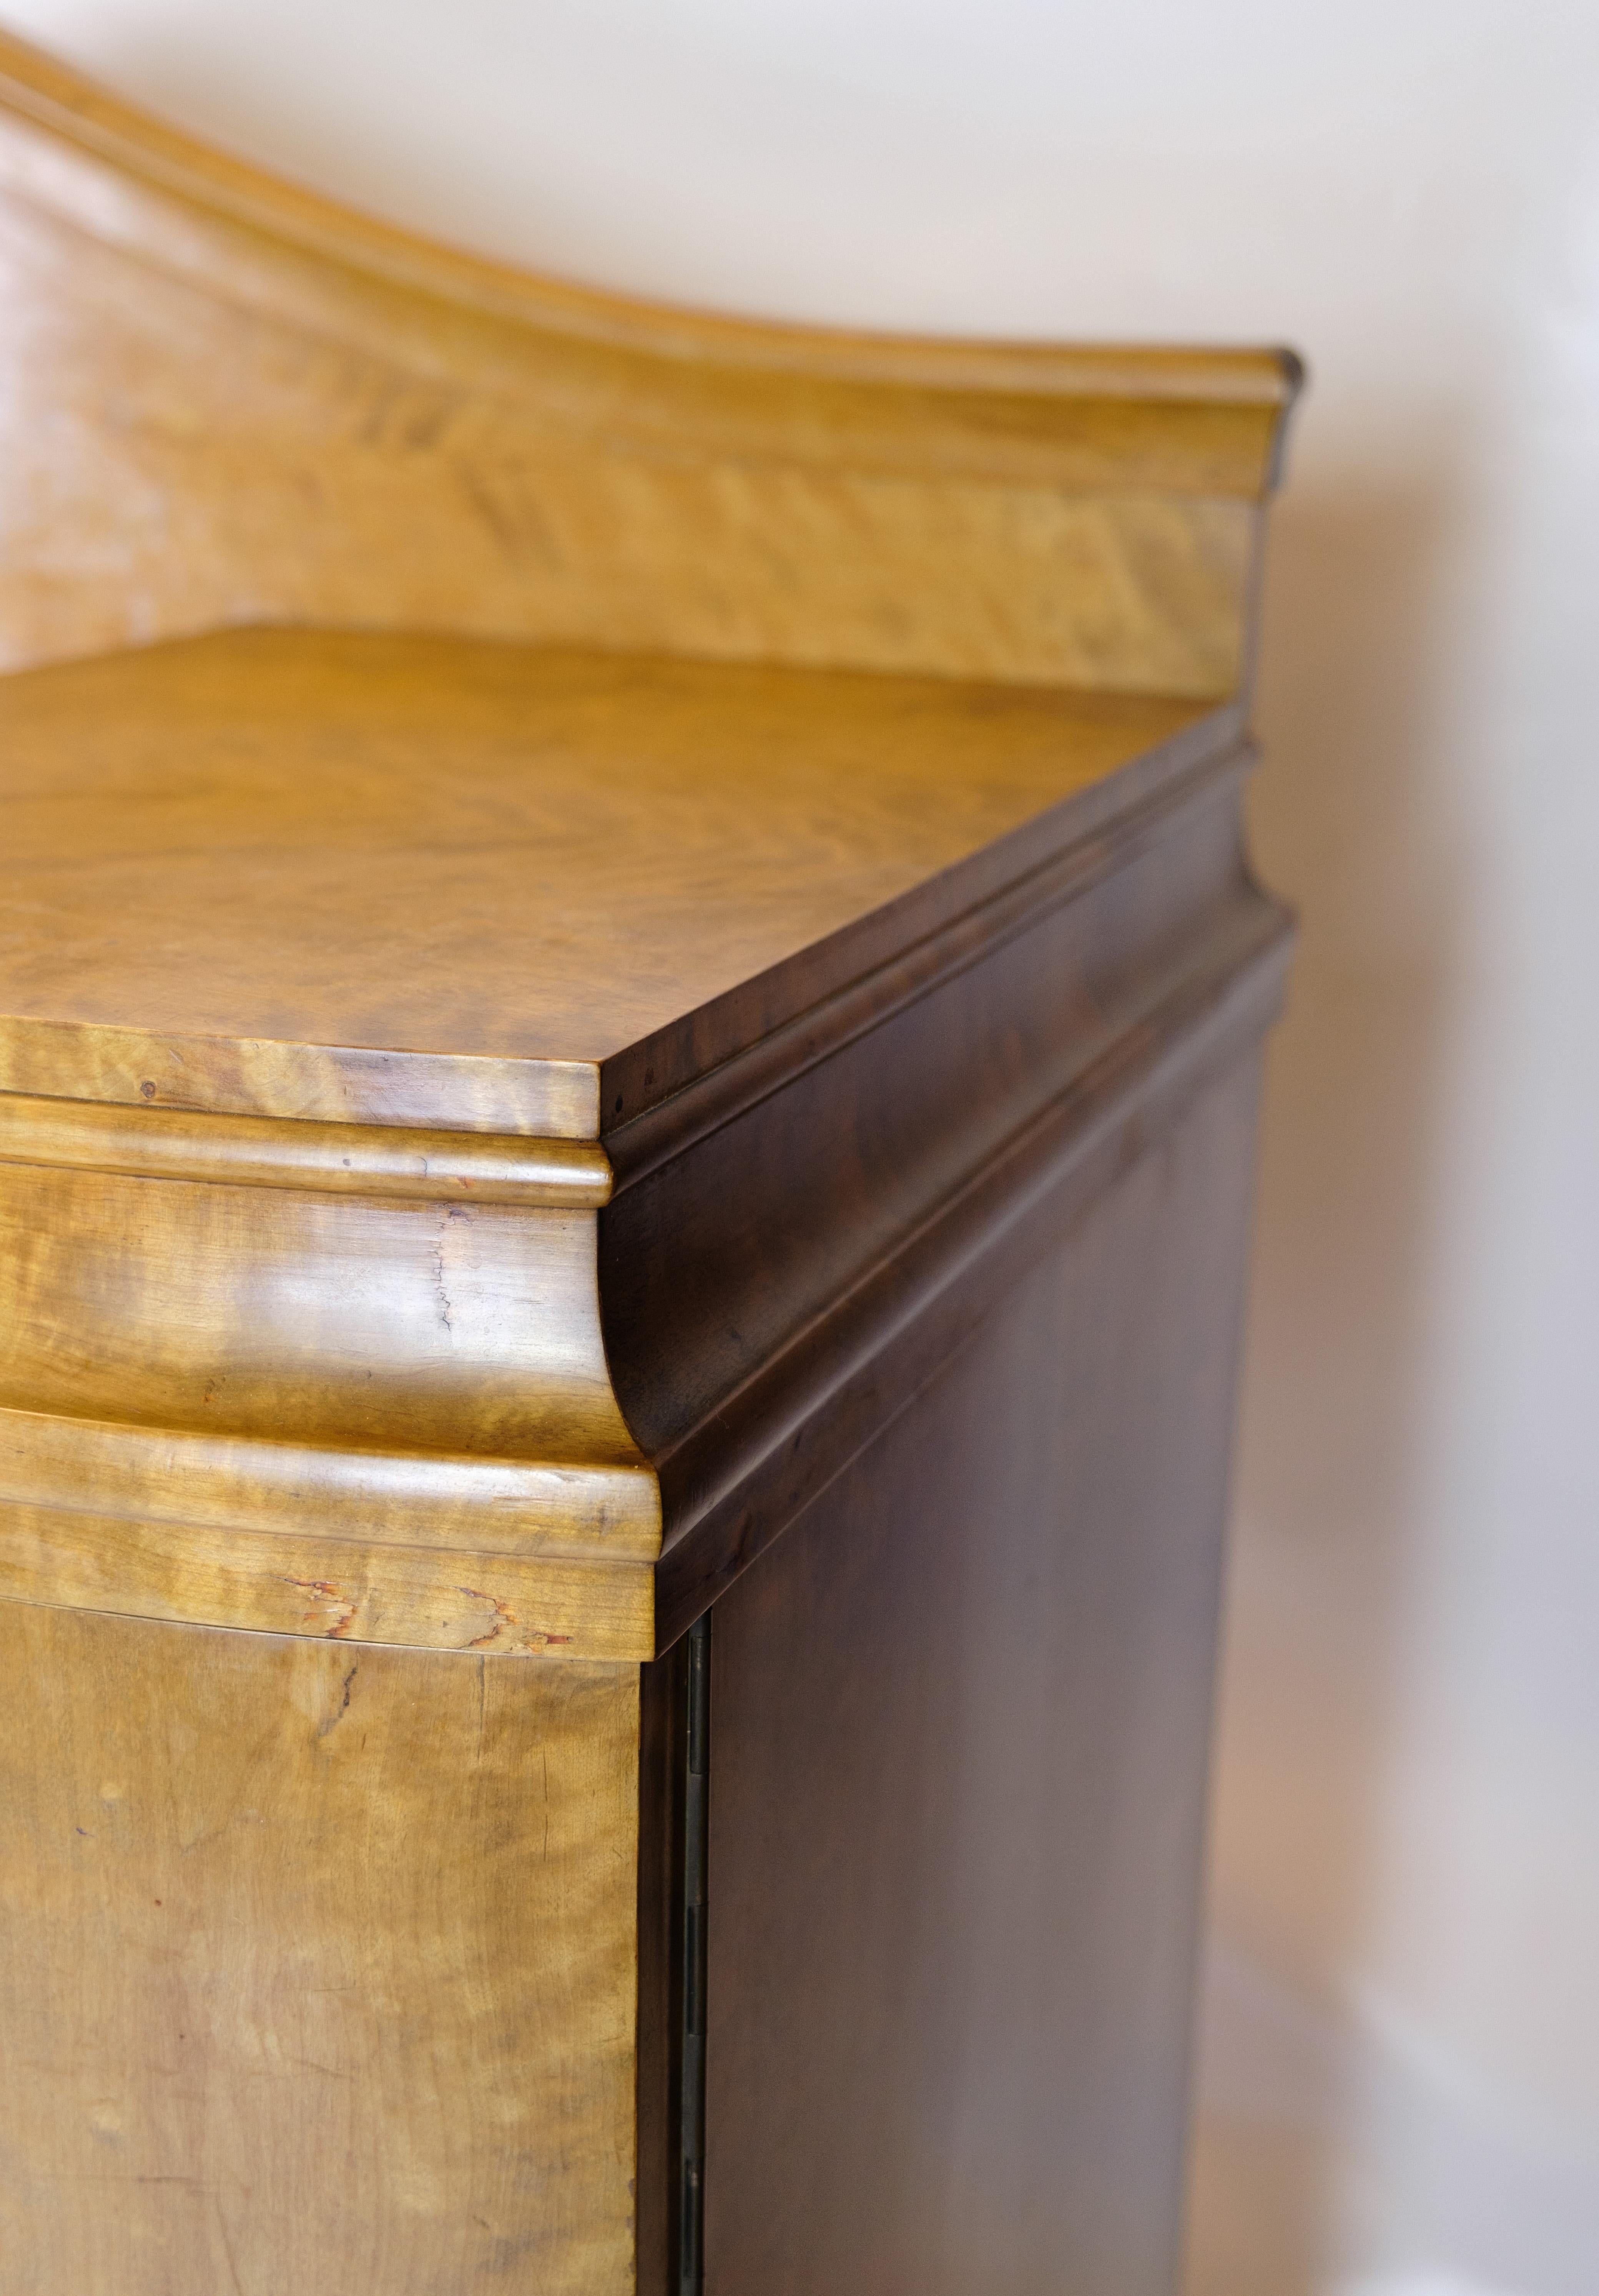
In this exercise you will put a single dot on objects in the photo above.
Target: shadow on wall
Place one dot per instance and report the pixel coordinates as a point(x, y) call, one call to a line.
point(1322, 1566)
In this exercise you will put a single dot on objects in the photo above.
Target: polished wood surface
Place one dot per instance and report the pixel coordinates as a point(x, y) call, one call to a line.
point(306, 1983)
point(226, 401)
point(959, 1721)
point(629, 987)
point(329, 1160)
point(360, 1410)
point(356, 1379)
point(785, 1273)
point(422, 881)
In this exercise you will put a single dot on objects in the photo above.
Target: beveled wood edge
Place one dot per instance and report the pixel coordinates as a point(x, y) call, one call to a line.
point(733, 1485)
point(523, 1099)
point(590, 1510)
point(905, 950)
point(877, 961)
point(313, 1587)
point(153, 1141)
point(41, 87)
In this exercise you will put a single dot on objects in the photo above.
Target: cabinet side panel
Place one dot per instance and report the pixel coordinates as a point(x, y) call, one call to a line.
point(317, 1965)
point(960, 1721)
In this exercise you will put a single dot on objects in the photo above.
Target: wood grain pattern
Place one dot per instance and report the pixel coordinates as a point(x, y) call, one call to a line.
point(316, 1586)
point(371, 1160)
point(271, 1371)
point(371, 1416)
point(317, 1966)
point(256, 1315)
point(636, 986)
point(232, 402)
point(959, 1721)
point(247, 1355)
point(779, 1284)
point(429, 882)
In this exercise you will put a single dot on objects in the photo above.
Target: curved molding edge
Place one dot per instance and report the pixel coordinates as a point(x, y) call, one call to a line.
point(1072, 1021)
point(367, 1160)
point(311, 1379)
point(223, 400)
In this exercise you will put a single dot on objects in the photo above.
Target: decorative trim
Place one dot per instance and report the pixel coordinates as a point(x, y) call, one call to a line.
point(1049, 1036)
point(426, 1501)
point(346, 426)
point(39, 87)
point(364, 1159)
point(320, 1379)
point(739, 1481)
point(325, 1590)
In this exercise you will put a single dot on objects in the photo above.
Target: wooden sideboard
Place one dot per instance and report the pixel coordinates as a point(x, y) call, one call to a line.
point(629, 1008)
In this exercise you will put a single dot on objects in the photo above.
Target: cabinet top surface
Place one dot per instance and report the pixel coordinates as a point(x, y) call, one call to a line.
point(413, 878)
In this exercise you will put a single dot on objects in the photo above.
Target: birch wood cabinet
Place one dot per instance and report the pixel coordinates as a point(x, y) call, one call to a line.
point(629, 1002)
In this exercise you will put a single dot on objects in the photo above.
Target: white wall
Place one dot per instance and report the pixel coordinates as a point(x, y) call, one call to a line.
point(1401, 2069)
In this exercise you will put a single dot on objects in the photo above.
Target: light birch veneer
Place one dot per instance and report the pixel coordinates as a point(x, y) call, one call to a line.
point(629, 1001)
